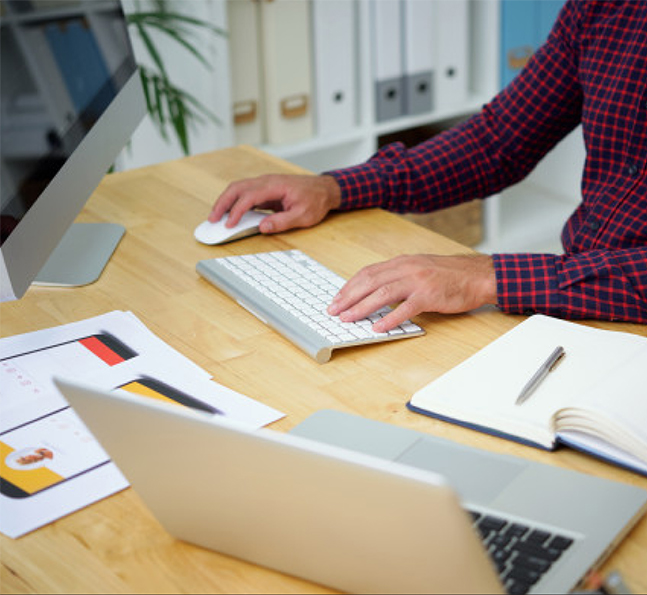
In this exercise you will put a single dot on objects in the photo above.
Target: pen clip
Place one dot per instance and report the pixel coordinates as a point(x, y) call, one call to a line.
point(556, 363)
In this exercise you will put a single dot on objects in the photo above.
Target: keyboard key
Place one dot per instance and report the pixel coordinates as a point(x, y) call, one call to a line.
point(515, 588)
point(533, 563)
point(524, 575)
point(537, 551)
point(518, 530)
point(560, 543)
point(492, 523)
point(538, 536)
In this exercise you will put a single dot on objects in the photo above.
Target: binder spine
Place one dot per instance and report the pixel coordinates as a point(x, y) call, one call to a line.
point(286, 50)
point(386, 42)
point(335, 67)
point(418, 56)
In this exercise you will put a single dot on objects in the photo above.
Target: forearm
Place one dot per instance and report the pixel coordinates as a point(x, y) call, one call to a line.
point(601, 284)
point(455, 166)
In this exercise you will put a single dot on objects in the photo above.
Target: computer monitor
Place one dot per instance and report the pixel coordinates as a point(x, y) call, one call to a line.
point(71, 97)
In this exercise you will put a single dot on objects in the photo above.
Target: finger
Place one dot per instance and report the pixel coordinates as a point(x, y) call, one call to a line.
point(405, 311)
point(374, 301)
point(223, 203)
point(365, 282)
point(290, 218)
point(278, 222)
point(244, 203)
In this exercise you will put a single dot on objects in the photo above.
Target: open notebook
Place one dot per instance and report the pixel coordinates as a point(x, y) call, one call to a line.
point(595, 401)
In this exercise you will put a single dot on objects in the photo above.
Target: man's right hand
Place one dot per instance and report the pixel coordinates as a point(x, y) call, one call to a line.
point(297, 200)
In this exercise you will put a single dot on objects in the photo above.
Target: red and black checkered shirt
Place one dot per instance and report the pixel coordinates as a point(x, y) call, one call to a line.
point(592, 70)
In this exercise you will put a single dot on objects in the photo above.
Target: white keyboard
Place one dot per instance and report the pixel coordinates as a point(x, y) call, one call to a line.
point(290, 291)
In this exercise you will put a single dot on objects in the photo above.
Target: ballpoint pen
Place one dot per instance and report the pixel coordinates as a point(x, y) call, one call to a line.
point(548, 366)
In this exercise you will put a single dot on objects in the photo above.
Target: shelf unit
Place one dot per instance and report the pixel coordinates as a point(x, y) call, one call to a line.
point(506, 223)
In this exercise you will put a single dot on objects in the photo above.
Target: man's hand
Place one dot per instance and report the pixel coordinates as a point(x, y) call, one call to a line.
point(422, 283)
point(298, 201)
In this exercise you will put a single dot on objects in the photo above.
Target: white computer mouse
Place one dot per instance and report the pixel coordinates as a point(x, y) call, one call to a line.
point(217, 233)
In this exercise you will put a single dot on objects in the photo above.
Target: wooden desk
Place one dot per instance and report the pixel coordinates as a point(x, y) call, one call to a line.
point(116, 545)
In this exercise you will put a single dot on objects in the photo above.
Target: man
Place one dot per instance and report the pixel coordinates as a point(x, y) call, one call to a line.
point(592, 70)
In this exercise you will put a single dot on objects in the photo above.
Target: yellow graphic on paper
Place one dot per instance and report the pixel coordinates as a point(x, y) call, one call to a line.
point(139, 389)
point(28, 480)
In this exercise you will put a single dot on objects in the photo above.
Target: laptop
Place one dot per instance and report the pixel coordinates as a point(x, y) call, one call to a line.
point(355, 504)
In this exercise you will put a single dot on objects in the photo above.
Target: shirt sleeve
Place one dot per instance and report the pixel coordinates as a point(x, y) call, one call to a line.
point(493, 149)
point(599, 284)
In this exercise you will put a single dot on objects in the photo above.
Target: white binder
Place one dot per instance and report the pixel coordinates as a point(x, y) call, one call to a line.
point(335, 65)
point(452, 38)
point(286, 60)
point(386, 26)
point(418, 19)
point(244, 59)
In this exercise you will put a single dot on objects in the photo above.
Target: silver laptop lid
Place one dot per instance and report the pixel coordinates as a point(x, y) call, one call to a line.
point(339, 518)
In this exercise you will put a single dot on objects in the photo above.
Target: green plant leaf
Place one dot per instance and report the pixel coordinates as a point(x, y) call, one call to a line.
point(178, 118)
point(170, 17)
point(175, 35)
point(151, 48)
point(145, 82)
point(158, 110)
point(169, 107)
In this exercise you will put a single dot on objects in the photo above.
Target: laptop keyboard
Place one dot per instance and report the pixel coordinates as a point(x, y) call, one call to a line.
point(291, 291)
point(522, 554)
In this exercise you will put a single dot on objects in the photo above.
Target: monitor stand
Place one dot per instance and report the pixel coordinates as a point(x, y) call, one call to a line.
point(81, 255)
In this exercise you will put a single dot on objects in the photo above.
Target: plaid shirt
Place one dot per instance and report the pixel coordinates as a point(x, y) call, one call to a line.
point(592, 70)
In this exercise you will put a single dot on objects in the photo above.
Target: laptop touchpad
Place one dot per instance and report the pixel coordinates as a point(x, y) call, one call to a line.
point(476, 475)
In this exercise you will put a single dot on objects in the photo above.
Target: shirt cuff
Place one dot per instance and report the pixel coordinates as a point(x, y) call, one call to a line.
point(527, 283)
point(360, 186)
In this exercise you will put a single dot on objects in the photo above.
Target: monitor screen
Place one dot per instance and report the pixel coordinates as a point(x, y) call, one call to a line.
point(71, 97)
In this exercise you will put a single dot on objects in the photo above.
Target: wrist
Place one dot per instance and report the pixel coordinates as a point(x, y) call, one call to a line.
point(332, 191)
point(487, 284)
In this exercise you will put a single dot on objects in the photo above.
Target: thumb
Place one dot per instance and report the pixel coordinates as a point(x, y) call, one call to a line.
point(277, 222)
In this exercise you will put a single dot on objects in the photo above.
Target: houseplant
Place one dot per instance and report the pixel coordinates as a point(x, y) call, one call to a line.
point(173, 110)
